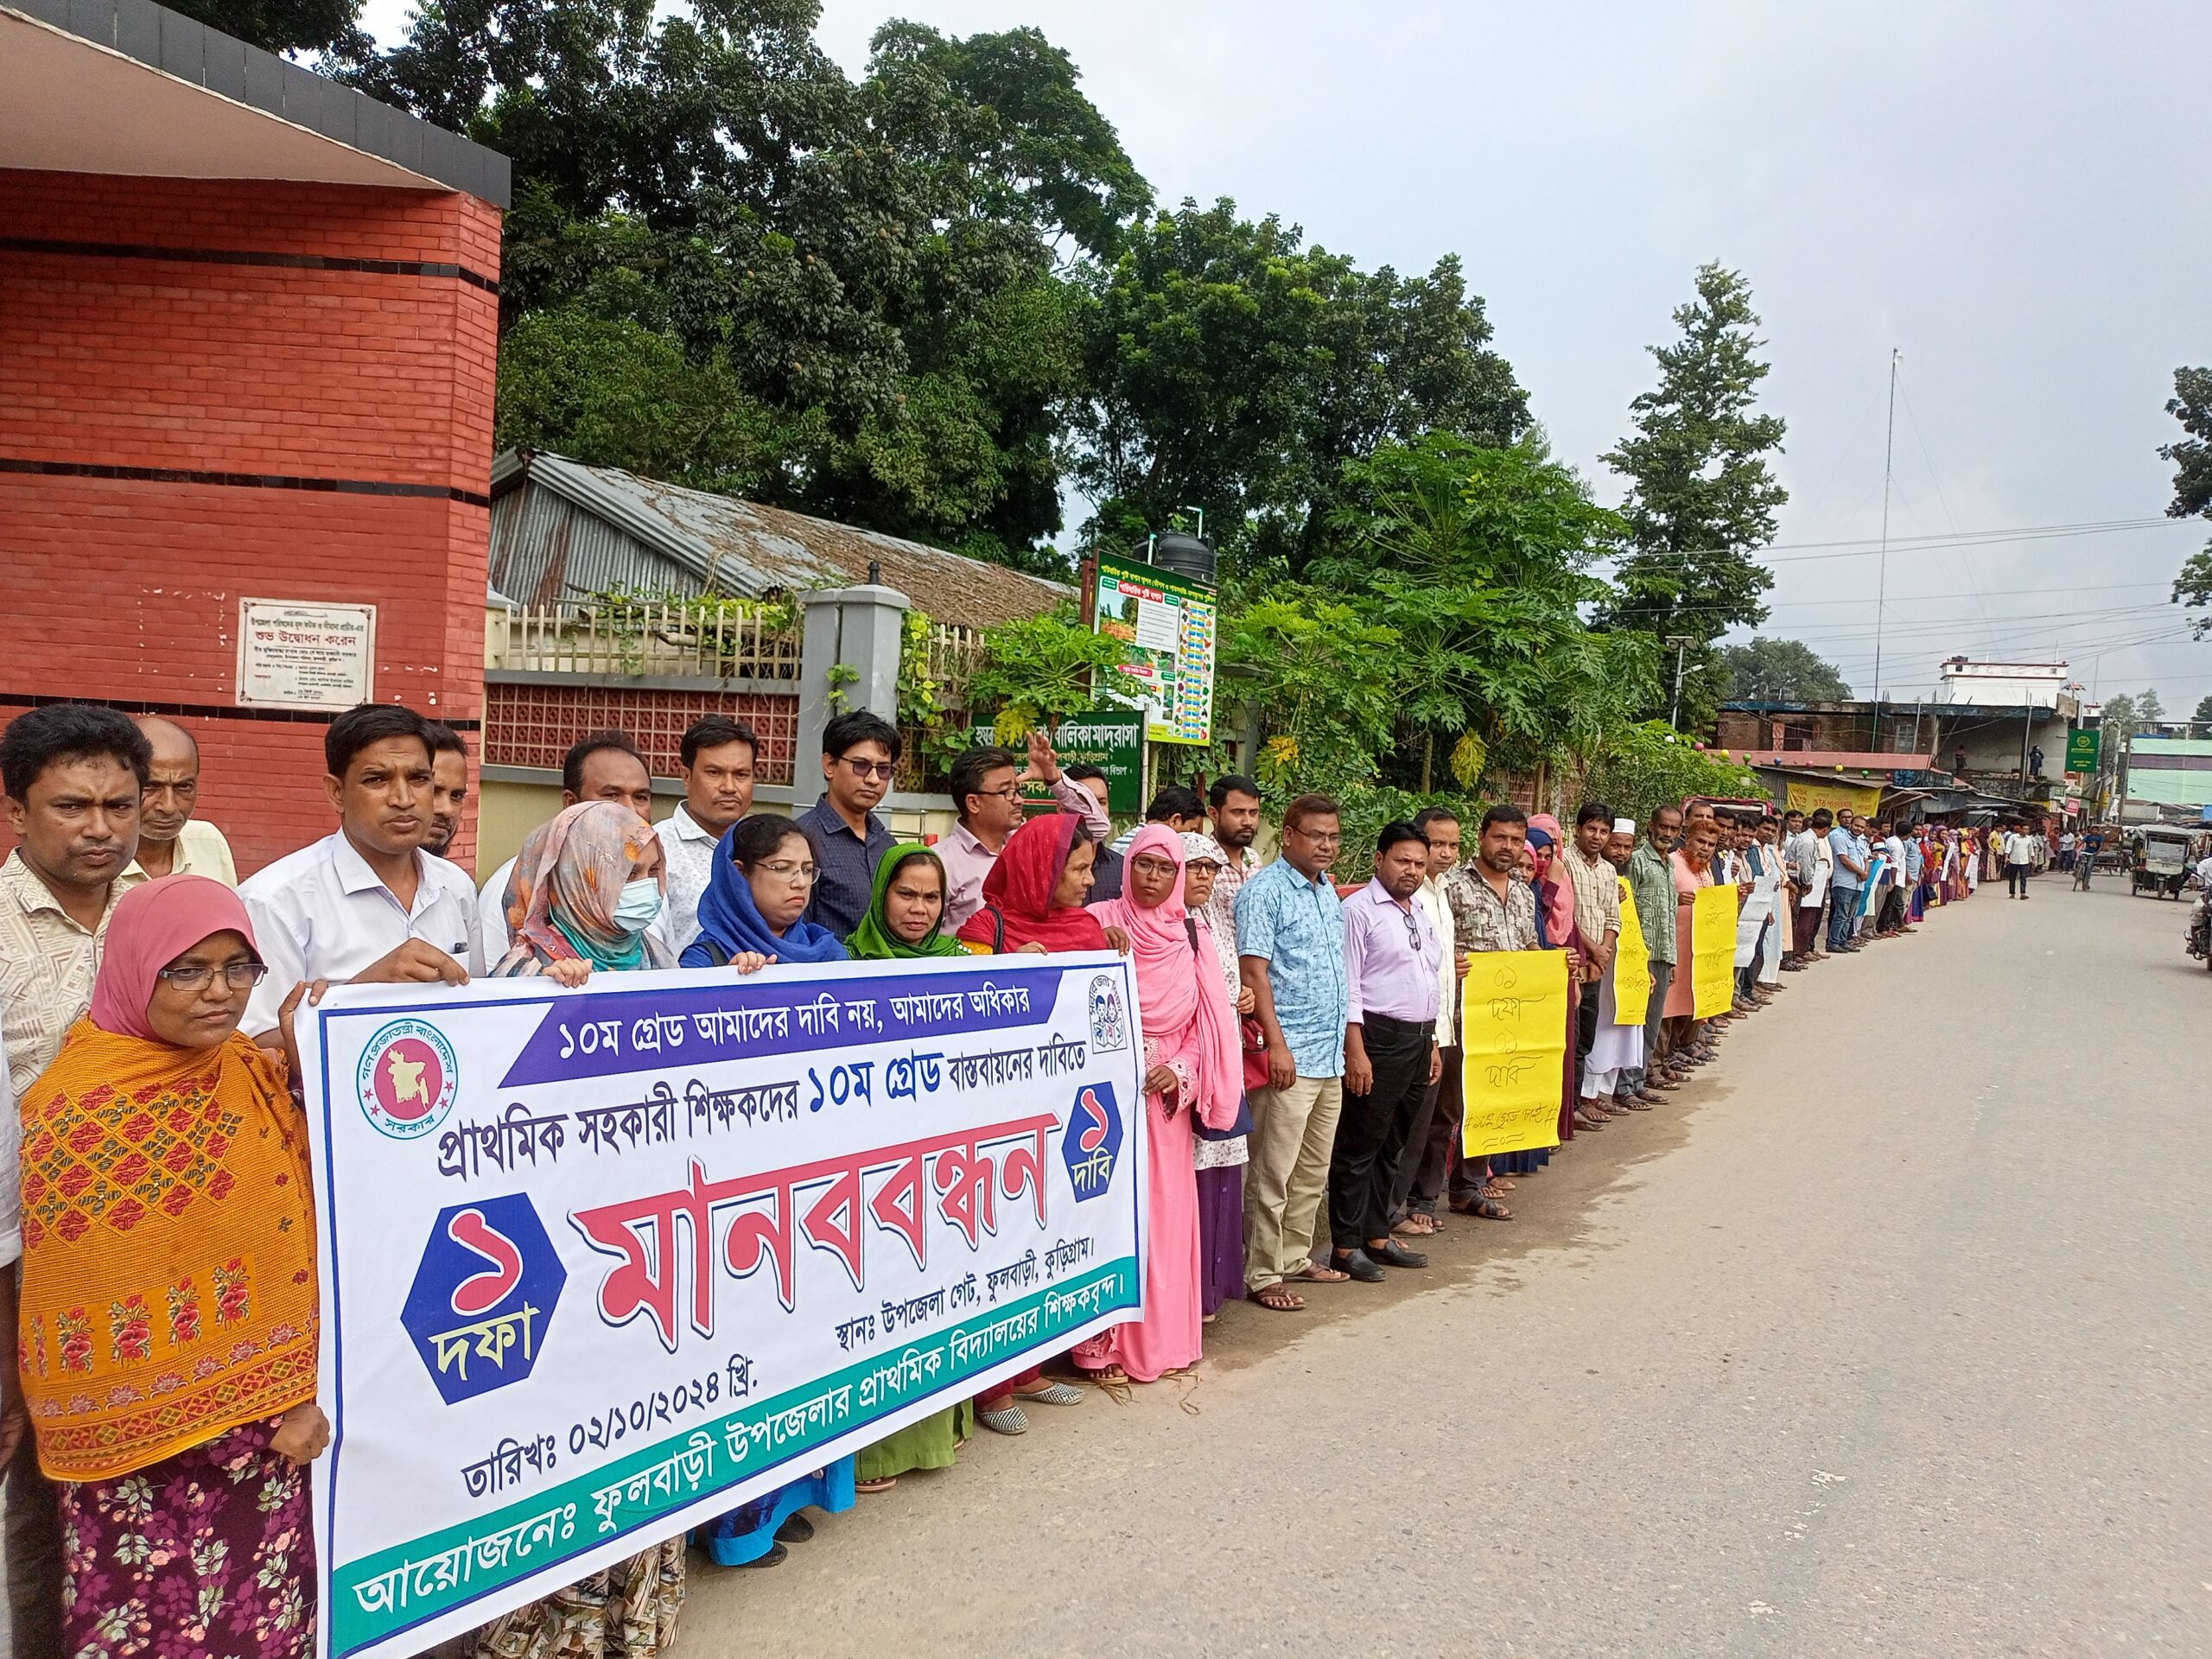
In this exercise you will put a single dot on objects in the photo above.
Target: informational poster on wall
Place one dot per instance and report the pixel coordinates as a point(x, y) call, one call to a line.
point(295, 654)
point(600, 1265)
point(1167, 626)
point(1111, 739)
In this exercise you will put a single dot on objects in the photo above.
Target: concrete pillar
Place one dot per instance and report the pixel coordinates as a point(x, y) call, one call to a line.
point(858, 628)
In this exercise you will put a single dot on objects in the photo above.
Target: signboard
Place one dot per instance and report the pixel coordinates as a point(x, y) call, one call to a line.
point(1802, 796)
point(1513, 1027)
point(1111, 739)
point(1631, 965)
point(1166, 624)
point(2081, 748)
point(600, 1265)
point(1713, 961)
point(296, 655)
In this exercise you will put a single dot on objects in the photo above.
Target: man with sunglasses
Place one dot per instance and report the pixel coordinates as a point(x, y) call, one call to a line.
point(859, 753)
point(987, 794)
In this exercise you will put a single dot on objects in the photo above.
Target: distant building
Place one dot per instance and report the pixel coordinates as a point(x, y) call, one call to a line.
point(2001, 686)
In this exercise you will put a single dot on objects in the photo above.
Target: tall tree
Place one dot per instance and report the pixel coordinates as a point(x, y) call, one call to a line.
point(2191, 404)
point(1233, 368)
point(2203, 715)
point(1701, 494)
point(729, 261)
point(1779, 671)
point(283, 26)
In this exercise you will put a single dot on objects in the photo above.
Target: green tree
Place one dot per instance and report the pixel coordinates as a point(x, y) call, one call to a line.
point(1778, 670)
point(283, 26)
point(2203, 715)
point(1641, 767)
point(864, 270)
point(1232, 368)
point(2191, 404)
point(1701, 494)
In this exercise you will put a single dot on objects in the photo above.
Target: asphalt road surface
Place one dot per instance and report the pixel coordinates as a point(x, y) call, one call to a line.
point(1890, 1338)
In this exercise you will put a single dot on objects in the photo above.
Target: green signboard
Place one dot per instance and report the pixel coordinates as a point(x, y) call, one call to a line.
point(1111, 739)
point(2081, 752)
point(1167, 625)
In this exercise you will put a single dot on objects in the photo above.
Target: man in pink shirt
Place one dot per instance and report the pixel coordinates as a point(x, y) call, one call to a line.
point(987, 794)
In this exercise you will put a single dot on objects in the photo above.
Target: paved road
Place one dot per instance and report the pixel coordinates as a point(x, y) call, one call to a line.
point(1893, 1339)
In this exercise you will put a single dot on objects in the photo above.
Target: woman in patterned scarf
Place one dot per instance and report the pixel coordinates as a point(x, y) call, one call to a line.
point(169, 1318)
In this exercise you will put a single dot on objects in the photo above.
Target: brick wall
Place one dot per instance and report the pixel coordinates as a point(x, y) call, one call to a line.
point(533, 725)
point(289, 387)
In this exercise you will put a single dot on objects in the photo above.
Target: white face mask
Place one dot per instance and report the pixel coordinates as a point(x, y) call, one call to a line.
point(640, 904)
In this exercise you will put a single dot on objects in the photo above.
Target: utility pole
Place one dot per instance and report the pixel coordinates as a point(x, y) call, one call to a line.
point(1882, 567)
point(1681, 642)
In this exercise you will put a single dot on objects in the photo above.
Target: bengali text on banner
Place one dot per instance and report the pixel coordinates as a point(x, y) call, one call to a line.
point(1713, 951)
point(1513, 1013)
point(599, 1265)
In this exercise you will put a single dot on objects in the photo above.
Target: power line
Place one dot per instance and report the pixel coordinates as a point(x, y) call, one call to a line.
point(1864, 549)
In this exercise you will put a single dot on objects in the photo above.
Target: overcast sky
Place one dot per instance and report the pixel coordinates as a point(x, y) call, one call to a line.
point(2012, 194)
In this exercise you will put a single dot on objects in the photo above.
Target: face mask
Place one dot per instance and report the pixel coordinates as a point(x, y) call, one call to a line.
point(638, 906)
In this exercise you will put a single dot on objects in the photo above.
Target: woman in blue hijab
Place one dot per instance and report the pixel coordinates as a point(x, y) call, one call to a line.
point(764, 873)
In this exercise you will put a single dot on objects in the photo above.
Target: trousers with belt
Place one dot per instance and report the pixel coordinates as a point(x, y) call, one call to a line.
point(1372, 1128)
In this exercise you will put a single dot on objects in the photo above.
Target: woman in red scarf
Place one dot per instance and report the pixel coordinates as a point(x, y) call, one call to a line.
point(1194, 1071)
point(1033, 901)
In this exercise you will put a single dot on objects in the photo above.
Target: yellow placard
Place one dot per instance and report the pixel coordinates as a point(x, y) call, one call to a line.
point(1810, 797)
point(1513, 1025)
point(1712, 948)
point(1631, 965)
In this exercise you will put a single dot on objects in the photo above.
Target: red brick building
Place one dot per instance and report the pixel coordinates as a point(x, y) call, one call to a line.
point(248, 327)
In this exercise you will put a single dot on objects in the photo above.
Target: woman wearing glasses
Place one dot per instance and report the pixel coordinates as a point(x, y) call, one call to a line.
point(751, 915)
point(754, 910)
point(169, 1318)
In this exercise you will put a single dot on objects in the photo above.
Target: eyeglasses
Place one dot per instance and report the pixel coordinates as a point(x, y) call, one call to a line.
point(1413, 930)
point(1320, 837)
point(1154, 866)
point(871, 768)
point(799, 875)
point(194, 976)
point(1012, 791)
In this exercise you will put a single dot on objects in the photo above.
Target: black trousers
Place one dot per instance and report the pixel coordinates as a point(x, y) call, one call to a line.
point(1433, 1142)
point(1585, 1037)
point(1372, 1128)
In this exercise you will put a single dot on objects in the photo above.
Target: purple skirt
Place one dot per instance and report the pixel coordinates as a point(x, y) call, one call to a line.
point(1221, 1236)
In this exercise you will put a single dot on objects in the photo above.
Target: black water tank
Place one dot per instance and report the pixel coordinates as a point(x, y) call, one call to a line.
point(1186, 555)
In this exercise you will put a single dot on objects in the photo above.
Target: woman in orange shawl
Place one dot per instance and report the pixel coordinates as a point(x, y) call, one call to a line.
point(168, 1320)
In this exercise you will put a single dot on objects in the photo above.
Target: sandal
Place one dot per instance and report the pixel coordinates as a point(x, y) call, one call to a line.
point(1278, 1298)
point(1418, 1223)
point(1484, 1208)
point(1004, 1419)
point(1314, 1275)
point(1051, 1394)
point(867, 1488)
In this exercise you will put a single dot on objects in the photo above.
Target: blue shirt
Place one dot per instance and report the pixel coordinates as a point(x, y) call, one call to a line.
point(846, 882)
point(1298, 925)
point(1844, 845)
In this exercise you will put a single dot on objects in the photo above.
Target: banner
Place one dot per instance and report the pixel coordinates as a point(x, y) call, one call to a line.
point(1166, 625)
point(1712, 944)
point(2081, 750)
point(599, 1265)
point(1808, 798)
point(1631, 965)
point(1111, 739)
point(1513, 1025)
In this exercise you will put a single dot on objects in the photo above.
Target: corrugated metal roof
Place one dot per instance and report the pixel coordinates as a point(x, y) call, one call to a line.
point(648, 534)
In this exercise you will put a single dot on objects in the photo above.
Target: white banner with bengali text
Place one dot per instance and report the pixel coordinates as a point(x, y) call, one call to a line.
point(600, 1265)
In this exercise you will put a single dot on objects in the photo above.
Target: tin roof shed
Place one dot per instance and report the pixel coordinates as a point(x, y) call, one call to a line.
point(561, 530)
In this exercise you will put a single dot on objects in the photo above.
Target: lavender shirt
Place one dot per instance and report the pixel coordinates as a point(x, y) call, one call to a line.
point(1385, 970)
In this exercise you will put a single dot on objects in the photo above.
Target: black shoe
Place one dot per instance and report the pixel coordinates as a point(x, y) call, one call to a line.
point(1394, 1255)
point(796, 1530)
point(1359, 1266)
point(777, 1556)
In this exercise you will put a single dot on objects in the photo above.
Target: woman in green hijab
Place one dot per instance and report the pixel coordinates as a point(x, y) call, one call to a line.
point(901, 923)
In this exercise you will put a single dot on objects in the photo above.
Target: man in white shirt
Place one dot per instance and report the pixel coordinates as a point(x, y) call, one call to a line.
point(2019, 848)
point(171, 842)
point(74, 775)
point(1426, 1159)
point(718, 756)
point(604, 766)
point(365, 904)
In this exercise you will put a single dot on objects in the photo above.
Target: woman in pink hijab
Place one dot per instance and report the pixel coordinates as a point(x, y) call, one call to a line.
point(1555, 910)
point(1194, 1073)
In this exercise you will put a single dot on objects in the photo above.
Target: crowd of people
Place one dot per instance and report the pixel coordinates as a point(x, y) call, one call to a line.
point(1302, 1056)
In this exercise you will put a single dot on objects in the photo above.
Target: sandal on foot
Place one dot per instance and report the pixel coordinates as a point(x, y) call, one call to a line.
point(1051, 1394)
point(1005, 1419)
point(796, 1530)
point(1320, 1275)
point(869, 1488)
point(1278, 1298)
point(1484, 1208)
point(777, 1556)
point(1419, 1223)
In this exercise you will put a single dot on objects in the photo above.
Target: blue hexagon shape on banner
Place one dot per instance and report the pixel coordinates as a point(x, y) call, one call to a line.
point(1092, 1140)
point(484, 1295)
